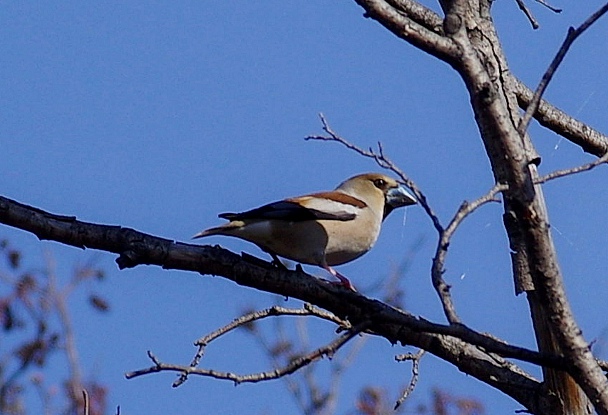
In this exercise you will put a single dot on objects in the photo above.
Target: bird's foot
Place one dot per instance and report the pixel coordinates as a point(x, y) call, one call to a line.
point(344, 282)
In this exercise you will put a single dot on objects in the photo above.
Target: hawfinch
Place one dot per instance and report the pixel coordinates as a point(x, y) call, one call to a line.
point(323, 229)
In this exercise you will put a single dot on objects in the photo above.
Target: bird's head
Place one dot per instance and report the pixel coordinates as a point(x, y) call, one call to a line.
point(378, 190)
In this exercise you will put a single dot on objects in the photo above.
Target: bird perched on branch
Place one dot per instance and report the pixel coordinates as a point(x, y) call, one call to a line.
point(323, 229)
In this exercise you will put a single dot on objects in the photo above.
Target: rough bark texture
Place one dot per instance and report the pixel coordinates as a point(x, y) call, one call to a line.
point(494, 94)
point(473, 353)
point(513, 158)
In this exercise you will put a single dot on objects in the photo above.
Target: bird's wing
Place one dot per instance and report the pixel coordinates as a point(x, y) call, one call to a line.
point(326, 205)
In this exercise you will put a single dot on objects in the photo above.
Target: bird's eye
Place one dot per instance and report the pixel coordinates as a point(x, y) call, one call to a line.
point(380, 183)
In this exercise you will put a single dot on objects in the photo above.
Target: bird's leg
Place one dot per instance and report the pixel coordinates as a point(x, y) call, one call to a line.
point(344, 282)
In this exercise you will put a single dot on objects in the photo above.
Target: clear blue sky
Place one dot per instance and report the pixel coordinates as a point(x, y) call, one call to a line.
point(159, 116)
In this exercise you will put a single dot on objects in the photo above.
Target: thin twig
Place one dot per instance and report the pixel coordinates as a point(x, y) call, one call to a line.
point(328, 350)
point(544, 82)
point(437, 269)
point(567, 172)
point(249, 318)
point(384, 162)
point(548, 6)
point(442, 288)
point(528, 13)
point(415, 358)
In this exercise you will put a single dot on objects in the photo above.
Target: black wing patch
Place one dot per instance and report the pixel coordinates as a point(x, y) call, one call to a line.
point(288, 211)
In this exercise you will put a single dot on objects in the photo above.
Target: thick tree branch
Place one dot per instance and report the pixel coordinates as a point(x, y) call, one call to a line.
point(472, 352)
point(409, 26)
point(485, 72)
point(549, 116)
point(556, 120)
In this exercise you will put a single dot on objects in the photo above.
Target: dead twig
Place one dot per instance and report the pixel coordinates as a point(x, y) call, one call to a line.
point(567, 172)
point(328, 350)
point(548, 6)
point(445, 234)
point(384, 162)
point(250, 318)
point(437, 268)
point(415, 358)
point(559, 57)
point(524, 8)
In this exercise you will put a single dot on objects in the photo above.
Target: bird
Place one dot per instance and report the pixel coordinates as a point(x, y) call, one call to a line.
point(323, 229)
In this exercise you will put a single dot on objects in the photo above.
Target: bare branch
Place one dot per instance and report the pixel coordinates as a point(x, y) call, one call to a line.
point(136, 248)
point(556, 120)
point(413, 30)
point(382, 161)
point(445, 236)
point(549, 116)
point(570, 38)
point(85, 398)
point(548, 6)
point(147, 249)
point(415, 358)
point(567, 172)
point(249, 318)
point(528, 13)
point(328, 350)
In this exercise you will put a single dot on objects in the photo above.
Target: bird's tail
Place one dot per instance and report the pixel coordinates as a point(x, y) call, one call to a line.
point(226, 229)
point(206, 232)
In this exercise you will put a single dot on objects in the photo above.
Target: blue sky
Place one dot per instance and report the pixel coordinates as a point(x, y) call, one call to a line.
point(159, 116)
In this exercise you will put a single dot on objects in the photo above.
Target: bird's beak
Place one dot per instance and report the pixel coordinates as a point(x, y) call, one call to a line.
point(398, 196)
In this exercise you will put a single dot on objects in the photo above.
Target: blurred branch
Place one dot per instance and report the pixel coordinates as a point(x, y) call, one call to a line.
point(314, 393)
point(38, 302)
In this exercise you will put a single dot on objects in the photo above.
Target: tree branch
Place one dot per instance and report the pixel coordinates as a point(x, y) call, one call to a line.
point(291, 367)
point(574, 170)
point(451, 343)
point(250, 318)
point(590, 140)
point(484, 70)
point(549, 116)
point(415, 358)
point(445, 237)
point(420, 32)
point(573, 34)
